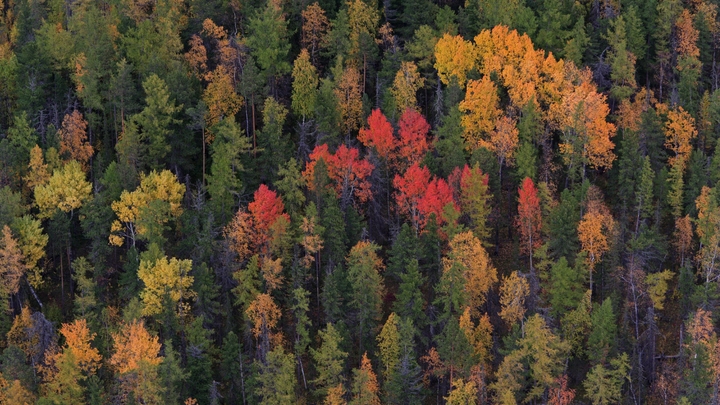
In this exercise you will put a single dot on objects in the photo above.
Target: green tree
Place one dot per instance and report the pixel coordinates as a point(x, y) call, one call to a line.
point(65, 387)
point(363, 272)
point(275, 145)
point(567, 285)
point(277, 381)
point(329, 360)
point(603, 385)
point(622, 62)
point(172, 375)
point(601, 341)
point(305, 86)
point(269, 45)
point(223, 183)
point(409, 301)
point(145, 143)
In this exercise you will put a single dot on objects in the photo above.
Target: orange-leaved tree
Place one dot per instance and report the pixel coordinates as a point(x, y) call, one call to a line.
point(74, 143)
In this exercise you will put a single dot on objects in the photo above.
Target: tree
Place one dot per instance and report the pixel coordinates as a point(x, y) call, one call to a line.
point(78, 340)
point(513, 291)
point(64, 387)
point(314, 29)
point(363, 272)
point(264, 315)
point(586, 132)
point(411, 187)
point(335, 396)
point(389, 348)
point(679, 133)
point(405, 86)
point(32, 242)
point(143, 213)
point(133, 345)
point(603, 386)
point(166, 281)
point(12, 264)
point(37, 174)
point(708, 231)
point(365, 386)
point(73, 139)
point(601, 340)
point(621, 60)
point(529, 218)
point(226, 150)
point(481, 113)
point(277, 381)
point(462, 393)
point(66, 190)
point(329, 360)
point(467, 252)
point(454, 58)
point(409, 301)
point(475, 200)
point(567, 285)
point(542, 351)
point(413, 143)
point(220, 98)
point(593, 232)
point(148, 132)
point(688, 65)
point(266, 210)
point(275, 145)
point(305, 85)
point(503, 142)
point(268, 43)
point(348, 95)
point(350, 174)
point(378, 135)
point(363, 20)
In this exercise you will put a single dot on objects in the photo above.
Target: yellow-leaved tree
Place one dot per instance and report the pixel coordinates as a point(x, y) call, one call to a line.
point(166, 281)
point(405, 86)
point(66, 190)
point(454, 58)
point(481, 113)
point(143, 213)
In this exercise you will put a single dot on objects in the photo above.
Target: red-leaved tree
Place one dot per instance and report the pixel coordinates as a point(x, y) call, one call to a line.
point(529, 219)
point(378, 135)
point(413, 138)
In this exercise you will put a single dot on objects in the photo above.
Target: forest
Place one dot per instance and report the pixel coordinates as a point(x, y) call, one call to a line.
point(359, 202)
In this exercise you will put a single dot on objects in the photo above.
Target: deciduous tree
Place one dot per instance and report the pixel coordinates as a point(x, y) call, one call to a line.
point(529, 218)
point(74, 143)
point(66, 190)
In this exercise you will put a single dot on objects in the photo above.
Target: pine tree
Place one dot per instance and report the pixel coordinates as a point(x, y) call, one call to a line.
point(365, 387)
point(65, 387)
point(277, 381)
point(329, 360)
point(409, 301)
point(364, 267)
point(601, 340)
point(226, 150)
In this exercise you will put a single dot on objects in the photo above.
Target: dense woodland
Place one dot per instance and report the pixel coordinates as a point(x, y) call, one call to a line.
point(361, 202)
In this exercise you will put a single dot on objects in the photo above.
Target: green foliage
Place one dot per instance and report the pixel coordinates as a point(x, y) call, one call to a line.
point(604, 385)
point(329, 360)
point(602, 338)
point(567, 285)
point(223, 183)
